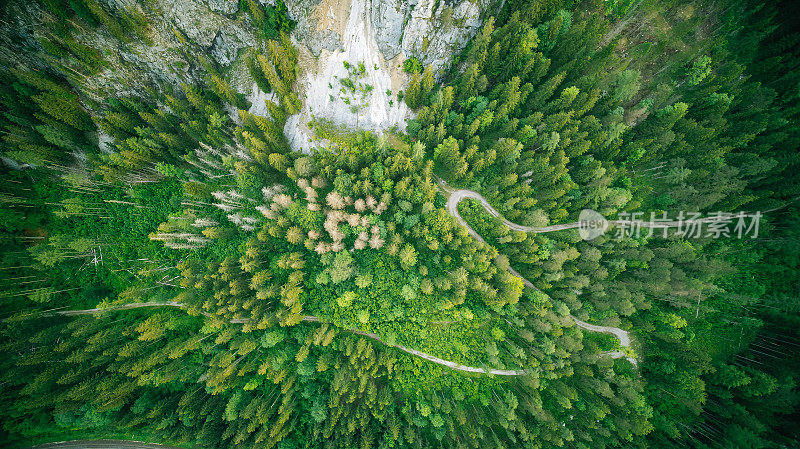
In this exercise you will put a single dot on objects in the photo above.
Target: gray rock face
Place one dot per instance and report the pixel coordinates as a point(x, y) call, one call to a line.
point(431, 30)
point(306, 29)
point(208, 29)
point(377, 34)
point(227, 44)
point(135, 67)
point(389, 18)
point(220, 36)
point(380, 33)
point(434, 36)
point(223, 6)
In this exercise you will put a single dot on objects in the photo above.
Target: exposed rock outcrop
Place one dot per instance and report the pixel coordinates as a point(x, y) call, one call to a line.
point(431, 30)
point(438, 30)
point(223, 6)
point(227, 44)
point(311, 29)
point(135, 66)
point(221, 36)
point(375, 37)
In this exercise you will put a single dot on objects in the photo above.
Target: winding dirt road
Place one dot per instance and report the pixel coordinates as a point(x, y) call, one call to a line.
point(623, 337)
point(456, 196)
point(133, 305)
point(307, 318)
point(102, 444)
point(447, 363)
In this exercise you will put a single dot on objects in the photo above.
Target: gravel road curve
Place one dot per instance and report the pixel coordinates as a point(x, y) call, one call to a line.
point(456, 196)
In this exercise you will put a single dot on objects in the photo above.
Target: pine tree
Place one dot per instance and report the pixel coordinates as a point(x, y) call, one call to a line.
point(413, 92)
point(254, 68)
point(426, 85)
point(226, 92)
point(449, 160)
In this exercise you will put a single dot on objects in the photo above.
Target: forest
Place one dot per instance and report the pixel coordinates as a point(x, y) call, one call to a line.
point(174, 270)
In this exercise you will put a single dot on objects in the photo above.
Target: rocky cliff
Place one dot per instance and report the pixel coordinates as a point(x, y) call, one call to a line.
point(177, 32)
point(351, 51)
point(431, 30)
point(352, 54)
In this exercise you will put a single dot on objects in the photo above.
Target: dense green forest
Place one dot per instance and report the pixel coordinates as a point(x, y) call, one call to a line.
point(173, 271)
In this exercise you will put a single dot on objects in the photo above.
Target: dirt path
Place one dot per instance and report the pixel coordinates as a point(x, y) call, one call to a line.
point(623, 337)
point(619, 333)
point(307, 318)
point(447, 363)
point(456, 196)
point(102, 444)
point(134, 305)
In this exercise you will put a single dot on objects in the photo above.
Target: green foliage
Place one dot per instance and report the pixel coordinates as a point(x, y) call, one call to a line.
point(412, 65)
point(271, 20)
point(699, 71)
point(227, 291)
